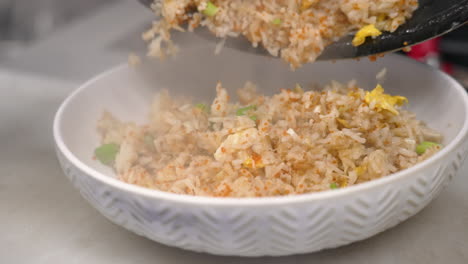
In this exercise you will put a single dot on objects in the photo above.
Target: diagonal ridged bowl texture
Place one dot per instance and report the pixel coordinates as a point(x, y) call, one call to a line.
point(258, 226)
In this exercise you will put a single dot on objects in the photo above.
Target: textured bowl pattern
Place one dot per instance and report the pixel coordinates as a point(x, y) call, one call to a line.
point(263, 226)
point(268, 230)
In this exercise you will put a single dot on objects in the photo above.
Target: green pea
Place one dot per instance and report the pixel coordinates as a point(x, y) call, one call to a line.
point(277, 21)
point(254, 117)
point(210, 9)
point(106, 153)
point(423, 146)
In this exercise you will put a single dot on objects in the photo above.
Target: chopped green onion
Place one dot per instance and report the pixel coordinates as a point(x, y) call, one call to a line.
point(210, 9)
point(334, 185)
point(106, 153)
point(254, 117)
point(277, 21)
point(242, 111)
point(202, 107)
point(421, 148)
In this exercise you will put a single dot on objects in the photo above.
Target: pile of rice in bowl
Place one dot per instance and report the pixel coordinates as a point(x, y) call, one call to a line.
point(296, 141)
point(295, 30)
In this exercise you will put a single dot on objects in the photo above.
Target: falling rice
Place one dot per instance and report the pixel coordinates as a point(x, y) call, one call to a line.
point(295, 30)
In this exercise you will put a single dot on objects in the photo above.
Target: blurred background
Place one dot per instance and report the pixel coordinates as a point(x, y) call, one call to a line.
point(22, 22)
point(74, 39)
point(69, 39)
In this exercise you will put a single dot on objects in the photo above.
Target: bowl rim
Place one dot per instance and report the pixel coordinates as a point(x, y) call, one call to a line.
point(458, 140)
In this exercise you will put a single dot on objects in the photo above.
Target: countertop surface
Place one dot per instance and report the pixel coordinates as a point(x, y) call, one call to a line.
point(44, 220)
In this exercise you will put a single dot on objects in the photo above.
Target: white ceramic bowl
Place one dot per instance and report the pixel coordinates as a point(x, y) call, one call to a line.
point(258, 226)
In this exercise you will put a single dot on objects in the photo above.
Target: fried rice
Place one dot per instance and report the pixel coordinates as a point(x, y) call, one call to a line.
point(296, 141)
point(295, 30)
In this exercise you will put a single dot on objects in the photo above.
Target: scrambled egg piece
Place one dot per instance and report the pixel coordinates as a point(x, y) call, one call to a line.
point(238, 141)
point(343, 122)
point(360, 170)
point(254, 162)
point(381, 17)
point(384, 101)
point(342, 182)
point(363, 33)
point(306, 4)
point(356, 95)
